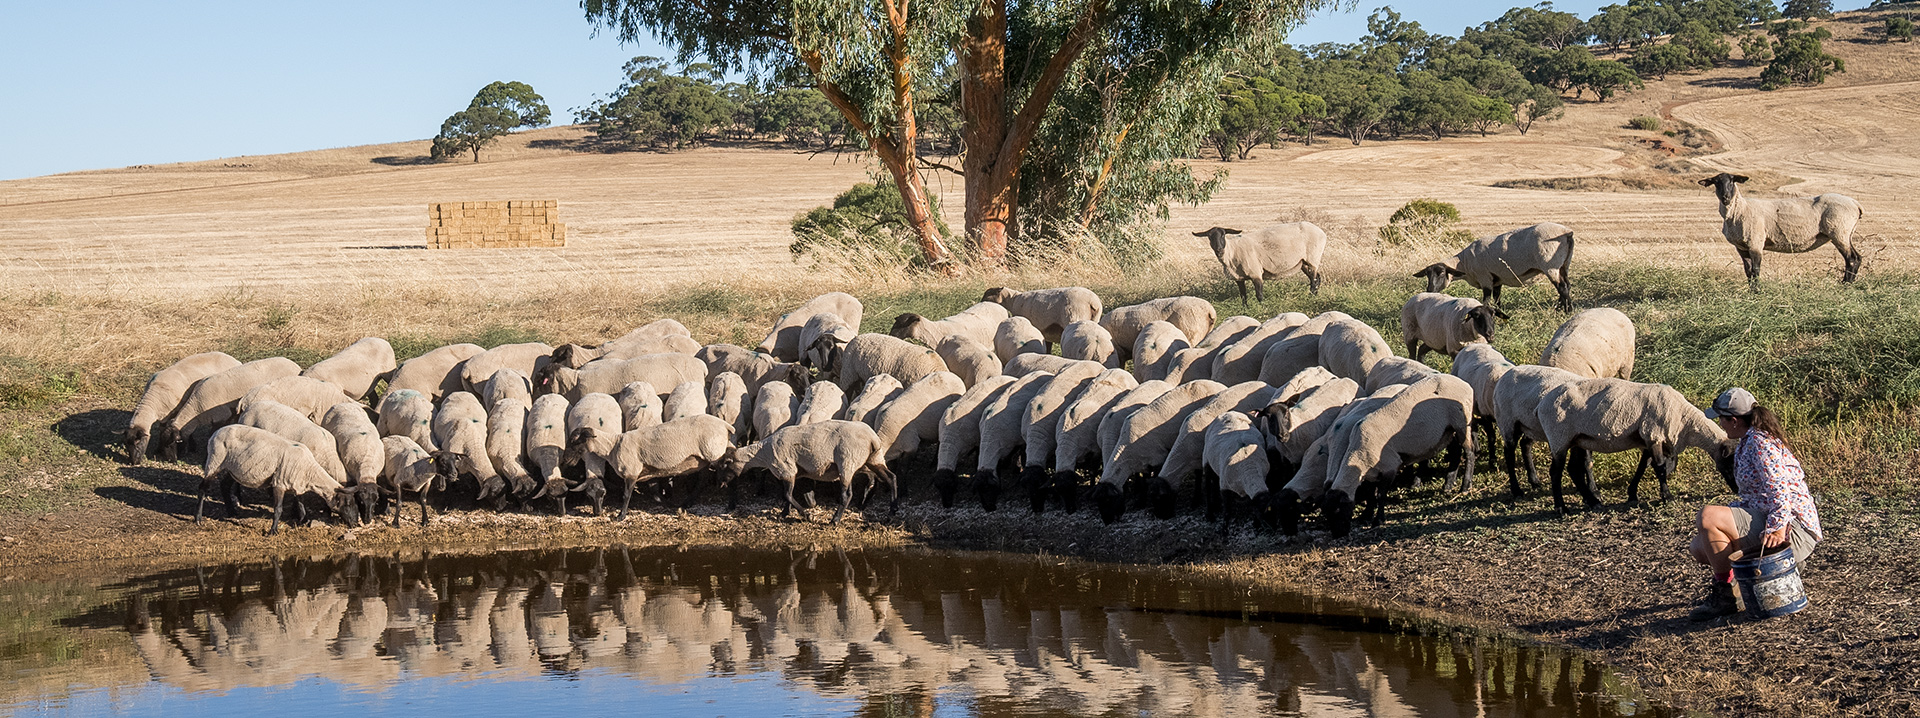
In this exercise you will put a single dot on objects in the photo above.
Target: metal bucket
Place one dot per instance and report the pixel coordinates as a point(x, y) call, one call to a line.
point(1770, 584)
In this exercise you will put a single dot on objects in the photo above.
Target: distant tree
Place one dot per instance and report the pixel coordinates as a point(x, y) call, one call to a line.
point(1808, 9)
point(1705, 46)
point(1540, 103)
point(1899, 29)
point(1433, 105)
point(1358, 99)
point(1606, 77)
point(654, 108)
point(804, 116)
point(1485, 113)
point(1656, 61)
point(1800, 59)
point(1257, 110)
point(1756, 49)
point(1542, 25)
point(497, 109)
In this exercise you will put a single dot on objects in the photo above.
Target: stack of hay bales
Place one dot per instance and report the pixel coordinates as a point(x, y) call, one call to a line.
point(515, 223)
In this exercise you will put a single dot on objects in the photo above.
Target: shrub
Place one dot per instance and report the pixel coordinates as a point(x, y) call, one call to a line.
point(1799, 59)
point(1805, 9)
point(864, 231)
point(1756, 49)
point(1424, 221)
point(1899, 28)
point(1644, 122)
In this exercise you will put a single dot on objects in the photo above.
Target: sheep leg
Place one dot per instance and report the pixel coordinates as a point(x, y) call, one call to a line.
point(399, 497)
point(424, 512)
point(1589, 494)
point(626, 501)
point(1557, 467)
point(1633, 485)
point(1259, 289)
point(1564, 285)
point(279, 496)
point(1662, 470)
point(1526, 452)
point(1243, 291)
point(846, 499)
point(1513, 476)
point(1852, 258)
point(1313, 277)
point(1493, 436)
point(1750, 261)
point(793, 503)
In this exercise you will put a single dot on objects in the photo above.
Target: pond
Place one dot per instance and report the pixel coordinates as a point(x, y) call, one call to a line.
point(732, 632)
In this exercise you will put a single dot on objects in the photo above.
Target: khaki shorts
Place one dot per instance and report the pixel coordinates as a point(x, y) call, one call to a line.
point(1751, 533)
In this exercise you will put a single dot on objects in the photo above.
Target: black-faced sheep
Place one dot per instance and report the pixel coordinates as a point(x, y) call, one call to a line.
point(408, 413)
point(1196, 362)
point(1077, 436)
point(1481, 366)
point(290, 424)
point(830, 451)
point(507, 446)
point(1017, 336)
point(1235, 457)
point(358, 443)
point(506, 384)
point(312, 397)
point(960, 433)
point(1298, 350)
point(1107, 434)
point(755, 368)
point(1029, 363)
point(672, 449)
point(727, 400)
point(1184, 454)
point(1322, 458)
point(1294, 422)
point(877, 391)
point(407, 467)
point(774, 408)
point(547, 446)
point(1042, 423)
point(1144, 440)
point(1001, 433)
point(1396, 370)
point(356, 367)
point(689, 398)
point(460, 430)
point(869, 355)
point(1050, 310)
point(1419, 423)
point(164, 392)
point(967, 359)
point(1193, 315)
point(822, 338)
point(527, 357)
point(1596, 343)
point(1087, 341)
point(913, 417)
point(663, 371)
point(1791, 225)
point(1268, 252)
point(213, 402)
point(783, 342)
point(254, 458)
point(592, 423)
point(977, 322)
point(1515, 397)
point(434, 373)
point(640, 405)
point(823, 402)
point(1510, 259)
point(1437, 322)
point(1349, 348)
point(659, 336)
point(1605, 416)
point(1241, 361)
point(1154, 349)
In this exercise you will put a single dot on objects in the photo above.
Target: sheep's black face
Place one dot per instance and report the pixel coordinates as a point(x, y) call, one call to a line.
point(996, 295)
point(1110, 501)
point(1725, 186)
point(345, 504)
point(903, 325)
point(1438, 276)
point(948, 484)
point(1339, 512)
point(987, 486)
point(1067, 483)
point(1285, 506)
point(1036, 480)
point(1482, 320)
point(136, 443)
point(1264, 511)
point(1162, 498)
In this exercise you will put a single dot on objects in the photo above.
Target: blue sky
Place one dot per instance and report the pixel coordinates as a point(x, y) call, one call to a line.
point(113, 83)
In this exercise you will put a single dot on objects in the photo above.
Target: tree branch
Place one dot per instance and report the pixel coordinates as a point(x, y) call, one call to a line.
point(932, 165)
point(1027, 121)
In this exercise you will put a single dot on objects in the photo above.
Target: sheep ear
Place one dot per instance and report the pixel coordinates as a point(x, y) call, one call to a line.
point(1501, 314)
point(1229, 231)
point(1201, 234)
point(1740, 178)
point(1708, 182)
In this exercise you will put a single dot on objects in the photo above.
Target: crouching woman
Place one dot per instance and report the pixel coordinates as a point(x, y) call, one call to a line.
point(1774, 508)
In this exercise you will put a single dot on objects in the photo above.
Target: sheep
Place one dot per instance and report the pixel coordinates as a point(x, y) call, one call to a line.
point(727, 401)
point(1184, 452)
point(1241, 362)
point(1001, 434)
point(913, 417)
point(408, 413)
point(967, 359)
point(783, 342)
point(1042, 422)
point(1143, 442)
point(1316, 467)
point(592, 424)
point(1595, 344)
point(822, 338)
point(1196, 362)
point(1481, 367)
point(357, 442)
point(1235, 455)
point(507, 444)
point(356, 367)
point(755, 368)
point(164, 392)
point(1293, 422)
point(1605, 416)
point(1791, 225)
point(528, 357)
point(1107, 434)
point(1437, 322)
point(775, 407)
point(689, 398)
point(506, 384)
point(1050, 310)
point(255, 458)
point(1017, 336)
point(212, 402)
point(672, 449)
point(1029, 363)
point(960, 433)
point(830, 451)
point(546, 434)
point(1423, 420)
point(405, 466)
point(1154, 348)
point(1077, 435)
point(460, 430)
point(1193, 315)
point(657, 337)
point(434, 373)
point(1349, 348)
point(977, 322)
point(1304, 382)
point(1515, 397)
point(1298, 350)
point(1510, 259)
point(877, 391)
point(1396, 370)
point(873, 354)
point(608, 377)
point(293, 425)
point(823, 400)
point(1268, 252)
point(309, 395)
point(1087, 341)
point(640, 406)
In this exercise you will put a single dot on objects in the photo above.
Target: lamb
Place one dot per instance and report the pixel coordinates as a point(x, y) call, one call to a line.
point(783, 342)
point(1595, 344)
point(608, 377)
point(822, 338)
point(727, 401)
point(1510, 259)
point(1349, 348)
point(546, 433)
point(408, 413)
point(960, 433)
point(592, 424)
point(357, 443)
point(754, 368)
point(356, 367)
point(774, 408)
point(913, 417)
point(823, 400)
point(1042, 423)
point(460, 430)
point(1481, 367)
point(1029, 363)
point(1298, 350)
point(1322, 457)
point(407, 467)
point(640, 406)
point(830, 451)
point(967, 359)
point(290, 424)
point(1001, 434)
point(1087, 341)
point(1424, 419)
point(689, 398)
point(164, 392)
point(1293, 422)
point(877, 391)
point(977, 322)
point(1017, 336)
point(1077, 435)
point(507, 444)
point(1235, 454)
point(1241, 362)
point(657, 336)
point(1196, 362)
point(1185, 452)
point(255, 458)
point(1192, 315)
point(1143, 443)
point(434, 373)
point(311, 396)
point(869, 355)
point(1153, 350)
point(1791, 225)
point(1605, 416)
point(1050, 310)
point(1515, 397)
point(1396, 370)
point(675, 448)
point(528, 357)
point(1432, 321)
point(213, 401)
point(506, 384)
point(1268, 252)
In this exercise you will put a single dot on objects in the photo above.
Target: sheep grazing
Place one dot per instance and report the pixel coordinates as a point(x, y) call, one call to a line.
point(164, 392)
point(659, 336)
point(1515, 397)
point(673, 449)
point(783, 342)
point(1193, 315)
point(1510, 259)
point(460, 430)
point(608, 377)
point(967, 359)
point(408, 413)
point(356, 367)
point(1144, 440)
point(869, 355)
point(1050, 310)
point(977, 322)
point(1396, 370)
point(913, 417)
point(1419, 423)
point(775, 408)
point(1184, 454)
point(689, 398)
point(213, 401)
point(1298, 350)
point(1791, 225)
point(1241, 362)
point(357, 442)
point(434, 373)
point(1017, 336)
point(309, 395)
point(547, 445)
point(1349, 348)
point(1437, 322)
point(288, 423)
point(640, 405)
point(1268, 252)
point(1077, 436)
point(1595, 344)
point(1293, 422)
point(822, 338)
point(727, 401)
point(823, 402)
point(1154, 349)
point(876, 392)
point(1605, 416)
point(830, 451)
point(254, 458)
point(1029, 363)
point(1196, 362)
point(960, 433)
point(592, 424)
point(1042, 423)
point(1235, 456)
point(1481, 366)
point(506, 384)
point(1087, 341)
point(1001, 433)
point(1107, 434)
point(507, 445)
point(1316, 467)
point(754, 368)
point(407, 467)
point(528, 357)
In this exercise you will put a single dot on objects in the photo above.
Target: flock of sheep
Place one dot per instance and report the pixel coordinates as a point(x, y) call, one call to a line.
point(1283, 415)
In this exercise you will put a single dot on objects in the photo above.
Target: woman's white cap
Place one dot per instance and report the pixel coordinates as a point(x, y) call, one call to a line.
point(1732, 402)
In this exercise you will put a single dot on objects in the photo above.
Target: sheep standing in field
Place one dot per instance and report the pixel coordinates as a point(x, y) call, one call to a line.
point(1234, 454)
point(822, 338)
point(356, 367)
point(1298, 350)
point(1001, 433)
point(1196, 362)
point(1267, 253)
point(507, 446)
point(592, 424)
point(527, 357)
point(357, 442)
point(1087, 341)
point(1515, 397)
point(1050, 310)
point(960, 433)
point(1596, 343)
point(1107, 434)
point(1318, 465)
point(1481, 366)
point(775, 408)
point(967, 359)
point(547, 445)
point(1029, 363)
point(977, 322)
point(408, 413)
point(1017, 336)
point(1396, 370)
point(1193, 315)
point(309, 395)
point(727, 401)
point(1154, 349)
point(407, 467)
point(254, 458)
point(506, 384)
point(640, 406)
point(1437, 322)
point(755, 368)
point(783, 342)
point(1293, 422)
point(1510, 259)
point(1349, 348)
point(1791, 225)
point(869, 355)
point(661, 335)
point(830, 451)
point(663, 371)
point(1144, 440)
point(1423, 420)
point(689, 398)
point(434, 373)
point(1241, 362)
point(1605, 416)
point(876, 392)
point(460, 430)
point(164, 392)
point(913, 417)
point(673, 449)
point(288, 423)
point(213, 401)
point(1078, 434)
point(1184, 454)
point(1042, 423)
point(823, 401)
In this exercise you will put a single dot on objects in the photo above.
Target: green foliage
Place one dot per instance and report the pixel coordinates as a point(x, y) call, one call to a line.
point(865, 227)
point(1807, 9)
point(803, 116)
point(1540, 103)
point(1657, 61)
point(1756, 48)
point(653, 108)
point(1799, 59)
point(1606, 77)
point(1899, 29)
point(1257, 111)
point(1358, 98)
point(1645, 122)
point(497, 109)
point(1424, 221)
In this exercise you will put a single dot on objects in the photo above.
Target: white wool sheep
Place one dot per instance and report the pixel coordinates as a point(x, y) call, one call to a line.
point(1605, 416)
point(672, 449)
point(1184, 454)
point(877, 391)
point(357, 442)
point(356, 367)
point(755, 368)
point(507, 444)
point(592, 424)
point(869, 355)
point(1423, 420)
point(1193, 315)
point(960, 433)
point(663, 371)
point(527, 357)
point(822, 338)
point(1241, 362)
point(1268, 252)
point(783, 342)
point(254, 458)
point(1298, 350)
point(775, 407)
point(309, 395)
point(1050, 310)
point(1349, 348)
point(1791, 225)
point(977, 322)
point(1515, 397)
point(1196, 362)
point(689, 398)
point(640, 405)
point(1144, 440)
point(460, 430)
point(1396, 370)
point(434, 373)
point(213, 401)
point(1001, 433)
point(1293, 422)
point(506, 384)
point(408, 413)
point(1154, 348)
point(547, 445)
point(967, 359)
point(1510, 259)
point(1321, 460)
point(1017, 336)
point(1432, 321)
point(1235, 455)
point(1481, 366)
point(727, 401)
point(1595, 344)
point(913, 417)
point(407, 467)
point(1029, 363)
point(1042, 423)
point(289, 423)
point(1107, 434)
point(574, 356)
point(164, 392)
point(830, 451)
point(822, 402)
point(1077, 435)
point(1087, 341)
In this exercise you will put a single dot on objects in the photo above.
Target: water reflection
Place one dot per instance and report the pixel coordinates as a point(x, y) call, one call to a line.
point(893, 634)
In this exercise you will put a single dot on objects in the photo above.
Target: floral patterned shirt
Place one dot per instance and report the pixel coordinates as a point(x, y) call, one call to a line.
point(1773, 484)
